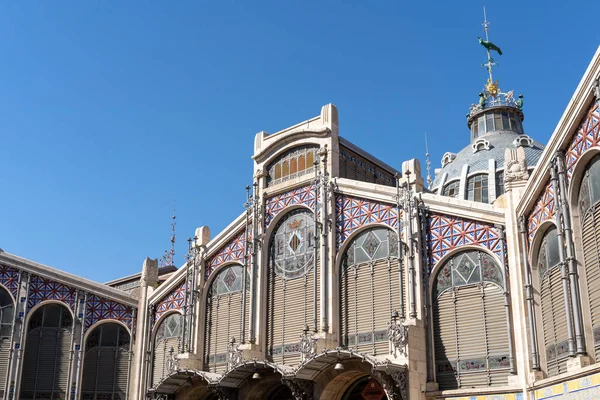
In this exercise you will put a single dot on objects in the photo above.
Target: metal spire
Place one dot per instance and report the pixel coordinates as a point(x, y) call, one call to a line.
point(490, 61)
point(169, 256)
point(428, 164)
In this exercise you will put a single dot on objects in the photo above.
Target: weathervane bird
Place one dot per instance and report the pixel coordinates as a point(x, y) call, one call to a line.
point(489, 45)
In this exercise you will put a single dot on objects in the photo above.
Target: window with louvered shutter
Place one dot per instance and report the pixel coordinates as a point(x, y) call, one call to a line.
point(369, 290)
point(47, 349)
point(166, 344)
point(105, 363)
point(224, 315)
point(7, 311)
point(290, 285)
point(469, 323)
point(552, 304)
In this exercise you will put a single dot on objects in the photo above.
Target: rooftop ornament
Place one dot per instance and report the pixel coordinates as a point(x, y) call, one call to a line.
point(492, 96)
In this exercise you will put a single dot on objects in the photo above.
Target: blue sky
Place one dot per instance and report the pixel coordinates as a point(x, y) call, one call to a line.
point(110, 111)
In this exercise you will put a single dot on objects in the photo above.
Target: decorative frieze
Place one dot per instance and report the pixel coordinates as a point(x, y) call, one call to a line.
point(9, 277)
point(587, 136)
point(99, 309)
point(274, 205)
point(42, 289)
point(544, 209)
point(231, 251)
point(175, 300)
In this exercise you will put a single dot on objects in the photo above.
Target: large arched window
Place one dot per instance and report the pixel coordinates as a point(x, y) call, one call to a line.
point(292, 164)
point(47, 350)
point(469, 323)
point(224, 315)
point(588, 200)
point(290, 285)
point(477, 188)
point(106, 363)
point(166, 345)
point(7, 311)
point(552, 303)
point(370, 290)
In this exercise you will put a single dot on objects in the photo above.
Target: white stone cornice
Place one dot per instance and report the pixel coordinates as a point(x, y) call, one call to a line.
point(68, 279)
point(564, 131)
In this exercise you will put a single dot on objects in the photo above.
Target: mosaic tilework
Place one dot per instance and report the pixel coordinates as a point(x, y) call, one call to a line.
point(41, 289)
point(9, 277)
point(304, 195)
point(98, 309)
point(175, 300)
point(544, 209)
point(232, 251)
point(588, 135)
point(354, 212)
point(446, 232)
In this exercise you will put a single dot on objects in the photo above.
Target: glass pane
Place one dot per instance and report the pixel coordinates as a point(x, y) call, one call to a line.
point(481, 126)
point(310, 159)
point(489, 123)
point(552, 248)
point(278, 171)
point(474, 129)
point(498, 121)
point(285, 169)
point(301, 163)
point(505, 124)
point(595, 180)
point(293, 166)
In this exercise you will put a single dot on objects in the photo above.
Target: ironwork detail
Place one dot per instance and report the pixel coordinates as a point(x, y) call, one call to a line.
point(301, 389)
point(394, 382)
point(398, 335)
point(172, 362)
point(308, 344)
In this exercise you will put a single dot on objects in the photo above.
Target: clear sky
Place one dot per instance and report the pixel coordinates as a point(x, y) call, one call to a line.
point(111, 110)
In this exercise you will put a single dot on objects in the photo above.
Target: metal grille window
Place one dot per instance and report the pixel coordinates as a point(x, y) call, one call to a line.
point(290, 165)
point(106, 363)
point(451, 189)
point(477, 188)
point(553, 297)
point(224, 309)
point(166, 342)
point(47, 350)
point(292, 277)
point(371, 279)
point(7, 310)
point(589, 210)
point(469, 323)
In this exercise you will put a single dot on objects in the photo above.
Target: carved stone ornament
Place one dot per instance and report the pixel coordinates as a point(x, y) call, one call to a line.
point(301, 389)
point(172, 361)
point(515, 165)
point(234, 354)
point(398, 335)
point(308, 345)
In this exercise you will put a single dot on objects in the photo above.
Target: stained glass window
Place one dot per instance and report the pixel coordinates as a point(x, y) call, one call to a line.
point(292, 164)
point(468, 268)
point(548, 257)
point(293, 245)
point(229, 280)
point(589, 191)
point(372, 245)
point(170, 327)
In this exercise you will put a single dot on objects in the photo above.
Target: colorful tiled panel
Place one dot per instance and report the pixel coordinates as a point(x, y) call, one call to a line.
point(273, 205)
point(353, 212)
point(584, 388)
point(544, 209)
point(447, 232)
point(588, 135)
point(9, 277)
point(99, 309)
point(41, 289)
point(232, 251)
point(175, 300)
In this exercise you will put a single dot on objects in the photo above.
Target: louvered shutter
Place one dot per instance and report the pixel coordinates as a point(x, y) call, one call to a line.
point(445, 341)
point(90, 372)
point(554, 320)
point(160, 354)
point(122, 374)
point(591, 250)
point(29, 372)
point(4, 354)
point(497, 335)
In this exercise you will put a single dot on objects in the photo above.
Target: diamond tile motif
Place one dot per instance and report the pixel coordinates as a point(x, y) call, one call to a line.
point(587, 136)
point(174, 300)
point(274, 205)
point(371, 244)
point(229, 278)
point(99, 309)
point(41, 289)
point(354, 212)
point(544, 209)
point(294, 242)
point(231, 251)
point(9, 277)
point(447, 232)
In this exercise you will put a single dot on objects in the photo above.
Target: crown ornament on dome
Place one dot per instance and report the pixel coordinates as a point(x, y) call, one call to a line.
point(492, 95)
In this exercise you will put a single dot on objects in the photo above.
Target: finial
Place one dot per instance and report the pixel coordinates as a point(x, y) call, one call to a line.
point(168, 258)
point(428, 164)
point(489, 46)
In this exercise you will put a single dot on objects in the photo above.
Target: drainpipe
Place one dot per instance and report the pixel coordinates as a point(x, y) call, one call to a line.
point(21, 338)
point(316, 247)
point(570, 249)
point(324, 252)
point(71, 350)
point(186, 302)
point(80, 351)
point(535, 357)
point(411, 251)
point(509, 324)
point(400, 250)
point(12, 336)
point(129, 360)
point(254, 267)
point(245, 272)
point(426, 318)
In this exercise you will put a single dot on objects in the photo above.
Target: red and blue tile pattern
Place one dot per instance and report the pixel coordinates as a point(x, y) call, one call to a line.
point(447, 232)
point(175, 300)
point(588, 135)
point(355, 212)
point(273, 205)
point(41, 289)
point(232, 251)
point(544, 209)
point(99, 309)
point(9, 277)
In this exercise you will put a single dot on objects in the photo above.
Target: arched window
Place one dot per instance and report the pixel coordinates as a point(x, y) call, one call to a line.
point(106, 363)
point(499, 183)
point(469, 323)
point(451, 189)
point(166, 343)
point(290, 285)
point(292, 164)
point(477, 188)
point(7, 311)
point(552, 303)
point(588, 200)
point(224, 315)
point(47, 349)
point(370, 290)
